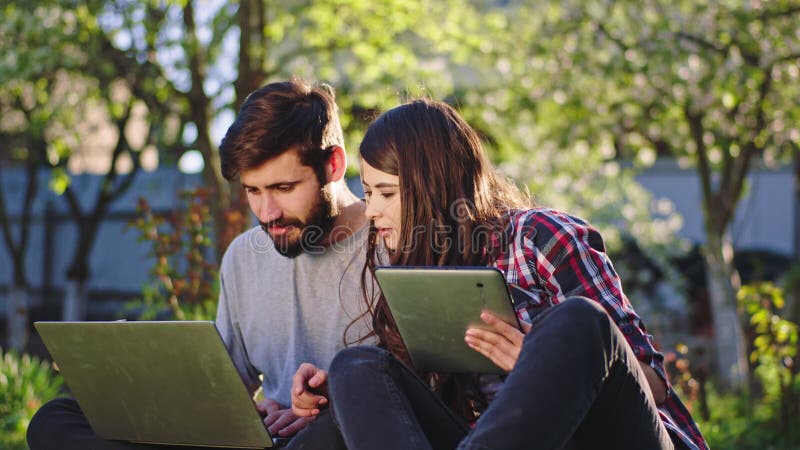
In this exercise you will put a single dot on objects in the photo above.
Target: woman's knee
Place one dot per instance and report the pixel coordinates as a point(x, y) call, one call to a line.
point(352, 361)
point(351, 371)
point(581, 310)
point(574, 319)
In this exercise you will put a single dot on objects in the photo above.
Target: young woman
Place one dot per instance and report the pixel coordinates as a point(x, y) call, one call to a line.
point(583, 373)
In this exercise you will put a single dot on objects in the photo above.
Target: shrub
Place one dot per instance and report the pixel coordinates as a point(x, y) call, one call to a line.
point(185, 283)
point(26, 383)
point(764, 416)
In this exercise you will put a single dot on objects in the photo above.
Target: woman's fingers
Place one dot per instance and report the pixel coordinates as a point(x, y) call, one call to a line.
point(494, 346)
point(319, 380)
point(504, 328)
point(501, 343)
point(306, 402)
point(300, 379)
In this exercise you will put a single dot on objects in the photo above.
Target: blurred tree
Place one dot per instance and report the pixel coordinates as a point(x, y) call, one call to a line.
point(713, 86)
point(17, 303)
point(54, 83)
point(510, 87)
point(217, 53)
point(177, 58)
point(27, 108)
point(88, 218)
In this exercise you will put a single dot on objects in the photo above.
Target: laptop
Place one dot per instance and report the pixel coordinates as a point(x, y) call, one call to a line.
point(433, 307)
point(169, 382)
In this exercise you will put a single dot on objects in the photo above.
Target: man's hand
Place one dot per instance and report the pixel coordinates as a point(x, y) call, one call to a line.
point(309, 390)
point(502, 345)
point(279, 420)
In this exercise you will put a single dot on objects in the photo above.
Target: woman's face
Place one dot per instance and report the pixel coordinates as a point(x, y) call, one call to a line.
point(382, 192)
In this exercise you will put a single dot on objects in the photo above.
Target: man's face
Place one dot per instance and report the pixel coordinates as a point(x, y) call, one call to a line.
point(289, 202)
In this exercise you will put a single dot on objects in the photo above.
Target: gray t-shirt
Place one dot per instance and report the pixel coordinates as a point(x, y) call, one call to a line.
point(276, 312)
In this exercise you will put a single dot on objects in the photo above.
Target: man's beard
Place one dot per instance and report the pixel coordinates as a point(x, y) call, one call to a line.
point(312, 231)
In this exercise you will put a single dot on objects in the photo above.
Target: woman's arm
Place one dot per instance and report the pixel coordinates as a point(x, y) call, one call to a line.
point(657, 385)
point(564, 256)
point(504, 346)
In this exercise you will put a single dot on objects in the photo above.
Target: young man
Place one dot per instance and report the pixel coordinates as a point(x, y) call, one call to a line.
point(289, 287)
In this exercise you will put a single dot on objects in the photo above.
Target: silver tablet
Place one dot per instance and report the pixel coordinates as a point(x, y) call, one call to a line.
point(433, 307)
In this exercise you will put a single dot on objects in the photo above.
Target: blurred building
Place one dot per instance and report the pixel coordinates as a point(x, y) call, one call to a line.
point(765, 218)
point(119, 264)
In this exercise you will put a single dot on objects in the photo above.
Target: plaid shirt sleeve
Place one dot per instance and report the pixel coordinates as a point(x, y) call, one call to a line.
point(551, 256)
point(554, 256)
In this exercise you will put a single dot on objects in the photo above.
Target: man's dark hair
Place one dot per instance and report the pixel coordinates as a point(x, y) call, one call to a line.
point(277, 118)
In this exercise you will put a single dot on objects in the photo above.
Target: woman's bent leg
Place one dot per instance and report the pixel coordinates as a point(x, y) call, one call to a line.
point(577, 381)
point(319, 434)
point(378, 403)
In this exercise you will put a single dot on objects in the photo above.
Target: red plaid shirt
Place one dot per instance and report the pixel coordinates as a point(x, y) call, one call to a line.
point(550, 256)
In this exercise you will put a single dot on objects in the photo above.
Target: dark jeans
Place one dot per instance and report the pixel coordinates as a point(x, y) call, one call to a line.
point(61, 425)
point(576, 384)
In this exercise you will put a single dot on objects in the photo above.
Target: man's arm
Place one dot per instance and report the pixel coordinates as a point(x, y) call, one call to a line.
point(227, 324)
point(279, 419)
point(576, 263)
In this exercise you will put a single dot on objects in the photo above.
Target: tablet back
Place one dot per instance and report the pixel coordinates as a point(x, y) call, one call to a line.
point(433, 307)
point(156, 382)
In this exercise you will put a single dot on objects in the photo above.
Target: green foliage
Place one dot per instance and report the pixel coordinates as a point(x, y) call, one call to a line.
point(763, 417)
point(185, 284)
point(774, 353)
point(743, 421)
point(730, 424)
point(45, 50)
point(25, 384)
point(59, 181)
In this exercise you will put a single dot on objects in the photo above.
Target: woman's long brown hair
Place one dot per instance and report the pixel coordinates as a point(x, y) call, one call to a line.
point(452, 203)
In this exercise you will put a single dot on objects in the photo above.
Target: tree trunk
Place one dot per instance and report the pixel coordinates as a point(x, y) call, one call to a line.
point(17, 318)
point(76, 301)
point(201, 111)
point(723, 283)
point(76, 298)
